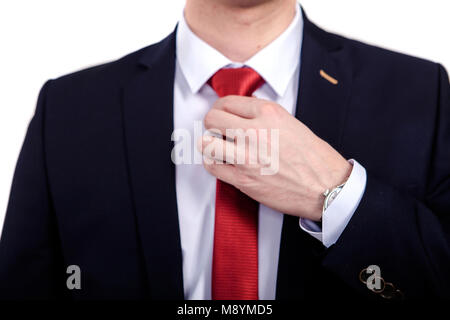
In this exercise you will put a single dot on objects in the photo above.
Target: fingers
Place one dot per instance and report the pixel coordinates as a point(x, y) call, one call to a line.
point(224, 172)
point(245, 107)
point(218, 154)
point(222, 120)
point(217, 150)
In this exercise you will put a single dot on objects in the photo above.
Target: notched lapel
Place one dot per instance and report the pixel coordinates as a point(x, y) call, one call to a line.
point(322, 106)
point(148, 125)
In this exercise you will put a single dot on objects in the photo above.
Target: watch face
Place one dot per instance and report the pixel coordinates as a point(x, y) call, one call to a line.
point(333, 196)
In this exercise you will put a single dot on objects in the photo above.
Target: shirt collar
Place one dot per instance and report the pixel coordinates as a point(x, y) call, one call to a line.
point(276, 62)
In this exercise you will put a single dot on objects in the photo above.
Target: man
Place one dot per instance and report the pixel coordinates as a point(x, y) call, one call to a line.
point(358, 205)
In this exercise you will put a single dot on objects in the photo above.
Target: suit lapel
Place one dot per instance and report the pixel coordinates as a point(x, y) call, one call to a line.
point(321, 105)
point(148, 125)
point(148, 116)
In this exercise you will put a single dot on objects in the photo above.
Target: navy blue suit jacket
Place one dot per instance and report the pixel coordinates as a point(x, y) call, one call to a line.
point(90, 191)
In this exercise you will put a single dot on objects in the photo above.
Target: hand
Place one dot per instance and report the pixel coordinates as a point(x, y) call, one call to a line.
point(307, 164)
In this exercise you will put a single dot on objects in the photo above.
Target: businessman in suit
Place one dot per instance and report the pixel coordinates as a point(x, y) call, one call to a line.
point(358, 207)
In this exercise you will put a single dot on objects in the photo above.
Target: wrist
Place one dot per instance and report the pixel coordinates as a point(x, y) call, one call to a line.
point(331, 191)
point(330, 195)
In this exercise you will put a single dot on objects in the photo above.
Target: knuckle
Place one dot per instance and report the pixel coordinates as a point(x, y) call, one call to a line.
point(210, 167)
point(218, 103)
point(269, 109)
point(226, 99)
point(209, 119)
point(225, 102)
point(255, 110)
point(243, 181)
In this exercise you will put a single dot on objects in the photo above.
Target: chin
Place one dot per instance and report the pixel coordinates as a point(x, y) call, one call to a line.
point(246, 3)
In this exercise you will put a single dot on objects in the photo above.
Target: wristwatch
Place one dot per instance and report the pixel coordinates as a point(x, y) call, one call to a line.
point(331, 195)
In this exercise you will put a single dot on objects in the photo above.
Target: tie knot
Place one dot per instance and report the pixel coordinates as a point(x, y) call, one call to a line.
point(235, 81)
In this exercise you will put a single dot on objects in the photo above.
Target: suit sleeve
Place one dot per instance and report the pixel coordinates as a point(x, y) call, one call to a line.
point(407, 238)
point(30, 259)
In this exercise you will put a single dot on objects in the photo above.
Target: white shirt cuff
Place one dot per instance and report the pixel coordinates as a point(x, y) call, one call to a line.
point(338, 214)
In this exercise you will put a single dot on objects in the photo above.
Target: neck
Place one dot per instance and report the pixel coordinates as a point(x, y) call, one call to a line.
point(239, 28)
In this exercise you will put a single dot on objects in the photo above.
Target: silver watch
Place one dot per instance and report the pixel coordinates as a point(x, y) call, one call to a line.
point(330, 196)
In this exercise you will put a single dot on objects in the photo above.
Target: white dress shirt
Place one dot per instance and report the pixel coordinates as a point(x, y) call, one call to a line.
point(279, 65)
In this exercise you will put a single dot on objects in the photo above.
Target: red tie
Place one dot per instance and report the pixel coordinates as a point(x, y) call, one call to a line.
point(235, 256)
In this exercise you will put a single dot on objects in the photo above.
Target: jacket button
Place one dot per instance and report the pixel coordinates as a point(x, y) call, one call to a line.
point(391, 293)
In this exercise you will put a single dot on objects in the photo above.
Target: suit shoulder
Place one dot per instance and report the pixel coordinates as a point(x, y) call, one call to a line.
point(367, 56)
point(102, 77)
point(97, 89)
point(378, 72)
point(385, 69)
point(391, 57)
point(102, 74)
point(384, 61)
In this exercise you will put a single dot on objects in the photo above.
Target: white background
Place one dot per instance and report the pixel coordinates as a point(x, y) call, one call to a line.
point(48, 38)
